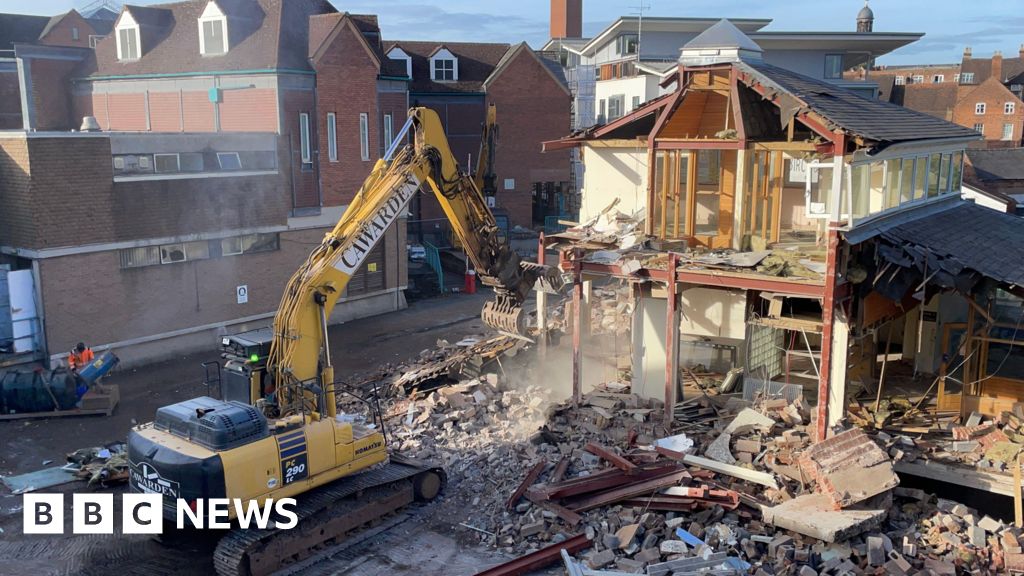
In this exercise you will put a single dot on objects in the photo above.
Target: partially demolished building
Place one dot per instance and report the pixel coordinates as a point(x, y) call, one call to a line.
point(816, 239)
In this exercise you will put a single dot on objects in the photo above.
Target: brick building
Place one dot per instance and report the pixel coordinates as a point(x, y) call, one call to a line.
point(980, 93)
point(458, 80)
point(232, 136)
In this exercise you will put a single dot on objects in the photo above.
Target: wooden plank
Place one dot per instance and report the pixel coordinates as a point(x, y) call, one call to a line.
point(959, 475)
point(754, 476)
point(1018, 514)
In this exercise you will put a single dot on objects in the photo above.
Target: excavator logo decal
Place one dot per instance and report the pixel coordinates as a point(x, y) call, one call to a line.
point(145, 478)
point(352, 256)
point(292, 449)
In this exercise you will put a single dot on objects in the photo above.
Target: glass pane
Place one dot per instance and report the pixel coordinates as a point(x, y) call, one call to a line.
point(683, 193)
point(707, 202)
point(657, 205)
point(860, 175)
point(821, 191)
point(213, 37)
point(944, 175)
point(934, 167)
point(892, 184)
point(876, 188)
point(907, 184)
point(958, 159)
point(920, 177)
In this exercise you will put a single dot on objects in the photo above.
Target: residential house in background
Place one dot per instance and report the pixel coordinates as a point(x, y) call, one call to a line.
point(459, 80)
point(980, 93)
point(221, 141)
point(995, 178)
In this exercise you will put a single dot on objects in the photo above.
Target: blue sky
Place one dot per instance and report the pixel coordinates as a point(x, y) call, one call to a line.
point(988, 25)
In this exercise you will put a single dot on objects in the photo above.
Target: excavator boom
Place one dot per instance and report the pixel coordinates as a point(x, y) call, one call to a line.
point(299, 351)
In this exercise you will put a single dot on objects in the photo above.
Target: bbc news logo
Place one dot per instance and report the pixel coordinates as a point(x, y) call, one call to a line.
point(143, 513)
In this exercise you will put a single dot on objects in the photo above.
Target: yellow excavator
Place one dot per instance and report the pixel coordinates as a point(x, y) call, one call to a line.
point(276, 431)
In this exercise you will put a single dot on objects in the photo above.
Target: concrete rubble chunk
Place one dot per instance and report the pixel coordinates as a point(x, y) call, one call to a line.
point(876, 551)
point(747, 420)
point(673, 547)
point(990, 525)
point(719, 449)
point(849, 468)
point(813, 515)
point(600, 559)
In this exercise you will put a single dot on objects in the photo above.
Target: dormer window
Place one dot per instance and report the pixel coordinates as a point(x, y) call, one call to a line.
point(128, 45)
point(397, 53)
point(444, 66)
point(213, 31)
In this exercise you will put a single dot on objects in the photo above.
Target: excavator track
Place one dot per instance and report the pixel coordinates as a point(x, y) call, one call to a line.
point(326, 515)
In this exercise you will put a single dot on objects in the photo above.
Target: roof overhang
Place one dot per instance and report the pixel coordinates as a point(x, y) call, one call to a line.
point(631, 24)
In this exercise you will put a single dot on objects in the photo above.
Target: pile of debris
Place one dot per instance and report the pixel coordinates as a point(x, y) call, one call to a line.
point(991, 444)
point(735, 487)
point(611, 310)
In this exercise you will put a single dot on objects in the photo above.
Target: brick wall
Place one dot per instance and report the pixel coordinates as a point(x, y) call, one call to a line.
point(10, 98)
point(87, 297)
point(346, 86)
point(303, 177)
point(995, 96)
point(17, 225)
point(51, 94)
point(71, 190)
point(396, 104)
point(62, 34)
point(531, 108)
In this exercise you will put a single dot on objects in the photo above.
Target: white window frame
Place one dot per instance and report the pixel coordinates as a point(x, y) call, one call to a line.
point(213, 14)
point(1009, 108)
point(127, 24)
point(94, 39)
point(177, 161)
point(900, 80)
point(967, 77)
point(956, 78)
point(222, 155)
point(444, 55)
point(918, 78)
point(332, 137)
point(1007, 134)
point(364, 136)
point(397, 53)
point(980, 125)
point(388, 131)
point(74, 33)
point(236, 239)
point(305, 151)
point(979, 108)
point(938, 78)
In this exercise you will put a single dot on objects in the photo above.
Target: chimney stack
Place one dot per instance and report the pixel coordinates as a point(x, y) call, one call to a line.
point(566, 18)
point(1020, 52)
point(997, 65)
point(967, 53)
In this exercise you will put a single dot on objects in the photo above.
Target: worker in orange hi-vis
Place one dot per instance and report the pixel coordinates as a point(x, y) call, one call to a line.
point(80, 357)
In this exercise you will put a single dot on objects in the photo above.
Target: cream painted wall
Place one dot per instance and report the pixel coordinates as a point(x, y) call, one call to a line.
point(611, 173)
point(713, 312)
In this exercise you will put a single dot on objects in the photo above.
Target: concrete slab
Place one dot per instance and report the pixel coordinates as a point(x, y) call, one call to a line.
point(748, 419)
point(813, 515)
point(849, 467)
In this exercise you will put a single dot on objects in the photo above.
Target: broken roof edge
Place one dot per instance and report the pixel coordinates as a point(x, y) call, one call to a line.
point(597, 131)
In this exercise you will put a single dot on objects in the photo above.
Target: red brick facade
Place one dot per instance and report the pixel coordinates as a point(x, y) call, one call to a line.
point(64, 32)
point(346, 87)
point(995, 97)
point(532, 107)
point(10, 98)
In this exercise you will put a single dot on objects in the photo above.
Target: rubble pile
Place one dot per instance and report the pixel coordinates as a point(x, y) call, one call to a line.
point(612, 310)
point(735, 487)
point(990, 444)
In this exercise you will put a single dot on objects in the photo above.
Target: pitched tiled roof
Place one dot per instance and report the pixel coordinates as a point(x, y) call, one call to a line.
point(321, 26)
point(966, 237)
point(19, 28)
point(263, 34)
point(982, 68)
point(869, 118)
point(476, 62)
point(997, 163)
point(933, 99)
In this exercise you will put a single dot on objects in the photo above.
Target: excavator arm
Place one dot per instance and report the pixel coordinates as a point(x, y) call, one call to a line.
point(299, 362)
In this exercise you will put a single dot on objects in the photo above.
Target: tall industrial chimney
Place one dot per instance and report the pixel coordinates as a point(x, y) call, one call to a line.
point(566, 18)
